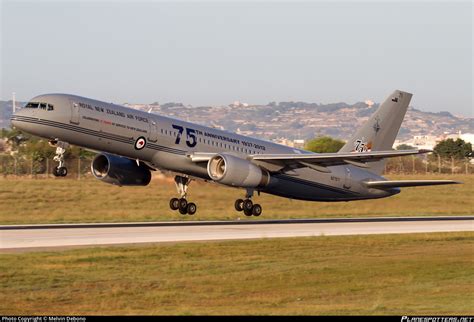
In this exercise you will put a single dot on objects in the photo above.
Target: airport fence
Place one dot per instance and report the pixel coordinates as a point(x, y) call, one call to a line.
point(80, 167)
point(42, 167)
point(428, 165)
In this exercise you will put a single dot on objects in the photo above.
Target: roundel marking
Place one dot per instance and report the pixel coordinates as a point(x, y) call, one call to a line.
point(140, 143)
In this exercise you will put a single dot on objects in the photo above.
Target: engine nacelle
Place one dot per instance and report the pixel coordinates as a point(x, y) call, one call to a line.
point(119, 171)
point(234, 171)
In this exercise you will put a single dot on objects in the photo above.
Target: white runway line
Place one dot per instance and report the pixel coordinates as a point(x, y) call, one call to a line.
point(60, 237)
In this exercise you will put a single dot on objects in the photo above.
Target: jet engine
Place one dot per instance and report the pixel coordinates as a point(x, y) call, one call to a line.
point(119, 171)
point(234, 171)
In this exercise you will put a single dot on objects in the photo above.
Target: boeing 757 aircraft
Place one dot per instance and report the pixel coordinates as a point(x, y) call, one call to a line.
point(134, 143)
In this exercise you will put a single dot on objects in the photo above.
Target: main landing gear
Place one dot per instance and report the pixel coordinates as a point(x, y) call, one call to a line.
point(247, 206)
point(182, 205)
point(60, 170)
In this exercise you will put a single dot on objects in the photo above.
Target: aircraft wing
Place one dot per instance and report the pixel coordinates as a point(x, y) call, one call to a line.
point(320, 161)
point(406, 183)
point(316, 161)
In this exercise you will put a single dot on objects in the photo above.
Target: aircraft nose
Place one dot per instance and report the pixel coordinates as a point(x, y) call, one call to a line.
point(16, 118)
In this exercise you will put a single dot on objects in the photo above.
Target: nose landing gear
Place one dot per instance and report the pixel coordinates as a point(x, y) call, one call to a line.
point(182, 205)
point(60, 170)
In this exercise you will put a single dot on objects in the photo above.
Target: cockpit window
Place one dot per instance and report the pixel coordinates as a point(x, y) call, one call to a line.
point(43, 106)
point(32, 105)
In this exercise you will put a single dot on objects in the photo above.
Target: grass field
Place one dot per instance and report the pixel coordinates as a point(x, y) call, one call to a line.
point(417, 274)
point(59, 200)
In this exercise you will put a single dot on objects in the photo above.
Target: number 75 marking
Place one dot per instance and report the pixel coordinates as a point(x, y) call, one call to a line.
point(191, 140)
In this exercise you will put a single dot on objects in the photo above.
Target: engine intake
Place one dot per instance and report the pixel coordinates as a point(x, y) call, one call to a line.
point(119, 171)
point(234, 171)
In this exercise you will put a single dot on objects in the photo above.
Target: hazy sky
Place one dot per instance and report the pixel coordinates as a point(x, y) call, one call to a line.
point(203, 53)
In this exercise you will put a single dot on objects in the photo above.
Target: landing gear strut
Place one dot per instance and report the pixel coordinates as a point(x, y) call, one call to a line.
point(182, 205)
point(247, 206)
point(60, 170)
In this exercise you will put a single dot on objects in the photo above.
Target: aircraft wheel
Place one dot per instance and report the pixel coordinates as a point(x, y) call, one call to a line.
point(62, 171)
point(56, 172)
point(182, 203)
point(174, 203)
point(191, 209)
point(256, 210)
point(248, 213)
point(183, 206)
point(247, 205)
point(239, 205)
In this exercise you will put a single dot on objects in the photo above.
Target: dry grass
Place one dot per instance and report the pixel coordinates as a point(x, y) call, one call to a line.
point(66, 200)
point(419, 274)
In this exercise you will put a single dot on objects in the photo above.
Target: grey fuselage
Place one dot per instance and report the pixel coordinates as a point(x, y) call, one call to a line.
point(115, 129)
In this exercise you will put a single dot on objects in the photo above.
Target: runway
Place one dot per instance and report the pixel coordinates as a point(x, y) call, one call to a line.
point(24, 237)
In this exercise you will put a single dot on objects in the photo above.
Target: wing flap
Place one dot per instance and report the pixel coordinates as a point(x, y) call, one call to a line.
point(407, 183)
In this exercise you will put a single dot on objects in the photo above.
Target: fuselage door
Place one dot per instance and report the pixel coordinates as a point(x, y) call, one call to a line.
point(348, 179)
point(153, 135)
point(75, 112)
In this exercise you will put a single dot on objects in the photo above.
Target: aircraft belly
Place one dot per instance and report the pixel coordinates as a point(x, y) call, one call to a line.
point(343, 183)
point(301, 189)
point(179, 163)
point(308, 184)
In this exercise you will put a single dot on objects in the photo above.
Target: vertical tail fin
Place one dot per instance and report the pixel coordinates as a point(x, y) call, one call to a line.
point(380, 131)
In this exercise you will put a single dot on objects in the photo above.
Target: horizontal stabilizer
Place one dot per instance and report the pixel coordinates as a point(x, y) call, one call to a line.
point(406, 183)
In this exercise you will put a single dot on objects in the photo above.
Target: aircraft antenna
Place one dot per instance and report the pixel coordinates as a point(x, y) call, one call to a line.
point(13, 103)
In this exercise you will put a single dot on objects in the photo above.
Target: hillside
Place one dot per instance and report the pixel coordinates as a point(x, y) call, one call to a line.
point(305, 120)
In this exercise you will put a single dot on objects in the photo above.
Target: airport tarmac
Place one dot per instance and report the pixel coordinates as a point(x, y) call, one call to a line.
point(24, 237)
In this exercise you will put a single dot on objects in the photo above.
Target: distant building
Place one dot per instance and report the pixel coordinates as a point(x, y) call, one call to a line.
point(430, 141)
point(466, 137)
point(298, 143)
point(238, 104)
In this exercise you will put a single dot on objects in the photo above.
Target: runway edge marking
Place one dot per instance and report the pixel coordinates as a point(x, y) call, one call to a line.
point(233, 222)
